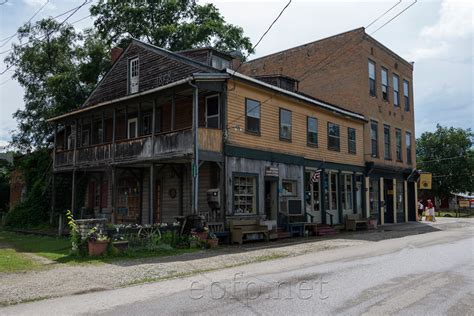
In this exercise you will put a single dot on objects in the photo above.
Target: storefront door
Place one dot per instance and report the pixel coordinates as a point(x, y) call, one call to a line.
point(313, 198)
point(271, 199)
point(388, 197)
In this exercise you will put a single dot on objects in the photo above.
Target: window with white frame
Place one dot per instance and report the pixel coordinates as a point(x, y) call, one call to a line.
point(252, 116)
point(406, 95)
point(334, 136)
point(385, 84)
point(408, 146)
point(396, 96)
point(245, 194)
point(312, 137)
point(398, 140)
point(347, 192)
point(132, 130)
point(285, 124)
point(386, 142)
point(289, 188)
point(372, 87)
point(212, 111)
point(133, 75)
point(351, 140)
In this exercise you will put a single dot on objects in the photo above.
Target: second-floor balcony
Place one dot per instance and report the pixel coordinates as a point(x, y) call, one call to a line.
point(162, 146)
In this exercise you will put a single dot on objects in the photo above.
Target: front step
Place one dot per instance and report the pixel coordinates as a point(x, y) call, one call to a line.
point(326, 230)
point(282, 233)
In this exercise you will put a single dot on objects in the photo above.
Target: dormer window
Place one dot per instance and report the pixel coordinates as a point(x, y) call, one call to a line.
point(220, 63)
point(133, 75)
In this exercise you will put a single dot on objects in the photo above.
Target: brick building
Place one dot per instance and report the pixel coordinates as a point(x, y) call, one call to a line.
point(357, 72)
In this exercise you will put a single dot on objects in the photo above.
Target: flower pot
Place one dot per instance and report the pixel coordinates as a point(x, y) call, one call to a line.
point(373, 223)
point(201, 235)
point(97, 248)
point(213, 243)
point(121, 245)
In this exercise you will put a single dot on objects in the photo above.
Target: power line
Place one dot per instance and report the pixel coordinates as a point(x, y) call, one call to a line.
point(395, 16)
point(47, 35)
point(8, 38)
point(442, 159)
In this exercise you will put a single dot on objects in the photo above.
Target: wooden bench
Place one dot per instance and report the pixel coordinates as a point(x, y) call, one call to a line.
point(218, 229)
point(245, 227)
point(352, 220)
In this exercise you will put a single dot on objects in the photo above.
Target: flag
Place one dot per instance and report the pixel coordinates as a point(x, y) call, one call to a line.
point(316, 175)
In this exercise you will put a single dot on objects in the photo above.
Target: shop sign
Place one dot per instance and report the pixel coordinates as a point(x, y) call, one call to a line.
point(271, 171)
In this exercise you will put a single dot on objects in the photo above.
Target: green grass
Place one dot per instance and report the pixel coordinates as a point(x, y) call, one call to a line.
point(12, 261)
point(58, 249)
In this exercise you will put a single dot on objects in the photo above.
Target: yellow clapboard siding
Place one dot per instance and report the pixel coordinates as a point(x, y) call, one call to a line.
point(269, 126)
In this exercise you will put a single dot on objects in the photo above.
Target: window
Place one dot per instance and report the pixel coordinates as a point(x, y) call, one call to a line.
point(406, 95)
point(400, 207)
point(351, 140)
point(285, 124)
point(132, 128)
point(331, 192)
point(346, 193)
point(85, 137)
point(384, 84)
point(386, 142)
point(372, 78)
point(212, 111)
point(220, 63)
point(133, 75)
point(398, 140)
point(252, 112)
point(312, 137)
point(333, 136)
point(408, 146)
point(396, 100)
point(374, 197)
point(289, 188)
point(146, 124)
point(159, 120)
point(245, 194)
point(374, 138)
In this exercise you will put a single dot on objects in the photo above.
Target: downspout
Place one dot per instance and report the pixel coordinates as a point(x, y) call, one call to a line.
point(195, 165)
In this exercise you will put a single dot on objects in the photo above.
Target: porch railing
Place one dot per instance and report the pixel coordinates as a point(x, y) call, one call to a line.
point(175, 143)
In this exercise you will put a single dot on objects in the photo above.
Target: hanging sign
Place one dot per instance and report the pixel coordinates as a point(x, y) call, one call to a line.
point(316, 176)
point(425, 180)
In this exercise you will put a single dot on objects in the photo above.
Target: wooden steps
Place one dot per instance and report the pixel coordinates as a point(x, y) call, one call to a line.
point(326, 230)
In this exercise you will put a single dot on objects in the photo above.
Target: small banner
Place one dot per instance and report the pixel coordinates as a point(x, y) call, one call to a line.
point(425, 180)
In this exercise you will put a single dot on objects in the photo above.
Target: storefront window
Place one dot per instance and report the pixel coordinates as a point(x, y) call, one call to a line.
point(289, 188)
point(245, 194)
point(347, 192)
point(374, 197)
point(358, 193)
point(400, 201)
point(311, 193)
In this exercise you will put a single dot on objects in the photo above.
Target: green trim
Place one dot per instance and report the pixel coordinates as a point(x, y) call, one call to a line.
point(241, 152)
point(257, 188)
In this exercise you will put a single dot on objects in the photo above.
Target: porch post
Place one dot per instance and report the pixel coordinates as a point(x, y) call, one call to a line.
point(65, 146)
point(173, 112)
point(354, 193)
point(76, 128)
point(382, 201)
point(222, 187)
point(73, 196)
point(367, 197)
point(53, 197)
point(195, 164)
point(405, 199)
point(102, 137)
point(126, 121)
point(114, 116)
point(181, 190)
point(394, 198)
point(113, 195)
point(139, 120)
point(153, 127)
point(152, 193)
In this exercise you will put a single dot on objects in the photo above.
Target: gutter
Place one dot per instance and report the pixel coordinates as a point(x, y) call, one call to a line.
point(298, 96)
point(171, 85)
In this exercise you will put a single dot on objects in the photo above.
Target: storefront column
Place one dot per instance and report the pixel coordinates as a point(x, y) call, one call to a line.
point(367, 197)
point(405, 199)
point(382, 201)
point(394, 198)
point(415, 186)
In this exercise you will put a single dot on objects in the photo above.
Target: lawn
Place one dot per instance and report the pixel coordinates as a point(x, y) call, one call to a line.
point(58, 249)
point(13, 261)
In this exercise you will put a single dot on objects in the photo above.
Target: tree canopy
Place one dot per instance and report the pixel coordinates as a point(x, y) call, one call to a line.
point(175, 25)
point(57, 74)
point(448, 154)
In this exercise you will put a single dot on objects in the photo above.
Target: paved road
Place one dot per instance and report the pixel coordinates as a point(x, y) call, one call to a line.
point(427, 274)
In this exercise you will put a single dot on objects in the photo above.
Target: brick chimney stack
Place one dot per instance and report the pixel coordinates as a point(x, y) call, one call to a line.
point(115, 54)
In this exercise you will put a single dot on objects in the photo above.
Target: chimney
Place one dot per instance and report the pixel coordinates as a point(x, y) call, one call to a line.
point(115, 54)
point(237, 59)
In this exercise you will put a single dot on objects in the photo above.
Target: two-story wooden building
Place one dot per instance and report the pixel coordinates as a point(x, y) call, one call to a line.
point(163, 128)
point(356, 71)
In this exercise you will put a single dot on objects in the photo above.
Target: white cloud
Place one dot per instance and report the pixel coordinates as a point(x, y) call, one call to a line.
point(455, 21)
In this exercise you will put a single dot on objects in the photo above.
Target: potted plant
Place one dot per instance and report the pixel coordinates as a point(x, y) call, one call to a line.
point(212, 241)
point(97, 242)
point(201, 233)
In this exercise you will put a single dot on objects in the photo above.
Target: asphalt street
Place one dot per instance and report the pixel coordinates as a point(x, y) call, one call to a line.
point(426, 274)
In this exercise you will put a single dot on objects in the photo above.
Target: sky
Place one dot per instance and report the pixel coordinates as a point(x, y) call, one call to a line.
point(437, 35)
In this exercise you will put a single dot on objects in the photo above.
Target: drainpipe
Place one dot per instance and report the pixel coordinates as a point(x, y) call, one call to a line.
point(195, 165)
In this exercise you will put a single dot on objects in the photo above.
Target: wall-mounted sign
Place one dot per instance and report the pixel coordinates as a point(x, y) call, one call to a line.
point(425, 181)
point(464, 203)
point(271, 172)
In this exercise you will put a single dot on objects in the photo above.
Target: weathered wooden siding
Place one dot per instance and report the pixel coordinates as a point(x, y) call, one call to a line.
point(269, 127)
point(210, 139)
point(155, 70)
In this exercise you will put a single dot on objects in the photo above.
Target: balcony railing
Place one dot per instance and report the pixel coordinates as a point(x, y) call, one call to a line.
point(166, 145)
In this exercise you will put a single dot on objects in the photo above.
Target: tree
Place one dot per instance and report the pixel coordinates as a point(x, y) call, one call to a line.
point(56, 73)
point(448, 154)
point(175, 25)
point(5, 170)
